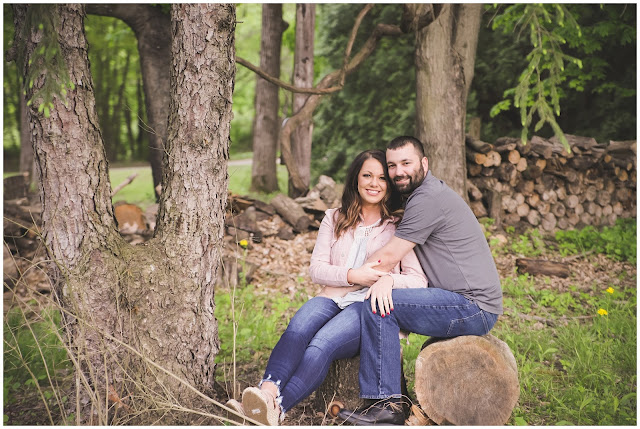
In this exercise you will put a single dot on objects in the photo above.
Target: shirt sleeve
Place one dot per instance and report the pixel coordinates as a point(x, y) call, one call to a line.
point(421, 216)
point(411, 274)
point(320, 268)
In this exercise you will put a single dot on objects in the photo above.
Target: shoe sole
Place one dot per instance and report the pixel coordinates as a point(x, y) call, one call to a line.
point(255, 407)
point(237, 407)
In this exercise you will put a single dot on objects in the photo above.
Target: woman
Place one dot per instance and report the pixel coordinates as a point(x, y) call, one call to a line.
point(327, 327)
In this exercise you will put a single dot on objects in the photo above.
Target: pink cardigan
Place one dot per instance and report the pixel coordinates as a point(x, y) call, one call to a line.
point(330, 255)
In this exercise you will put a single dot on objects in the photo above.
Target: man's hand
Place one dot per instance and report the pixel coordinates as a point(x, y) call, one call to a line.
point(380, 293)
point(365, 275)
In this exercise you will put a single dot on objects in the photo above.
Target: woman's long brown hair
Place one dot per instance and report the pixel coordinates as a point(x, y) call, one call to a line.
point(348, 216)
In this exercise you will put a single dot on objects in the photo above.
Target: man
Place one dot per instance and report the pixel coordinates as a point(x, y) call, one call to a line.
point(464, 296)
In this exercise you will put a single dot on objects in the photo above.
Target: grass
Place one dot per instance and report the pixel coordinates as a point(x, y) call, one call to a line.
point(580, 369)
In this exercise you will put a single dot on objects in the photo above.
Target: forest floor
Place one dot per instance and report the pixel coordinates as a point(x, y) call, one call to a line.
point(283, 269)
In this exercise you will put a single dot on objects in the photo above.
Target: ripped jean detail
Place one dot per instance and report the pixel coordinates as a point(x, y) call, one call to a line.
point(278, 395)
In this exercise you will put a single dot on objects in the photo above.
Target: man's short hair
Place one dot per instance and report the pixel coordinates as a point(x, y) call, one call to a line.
point(402, 141)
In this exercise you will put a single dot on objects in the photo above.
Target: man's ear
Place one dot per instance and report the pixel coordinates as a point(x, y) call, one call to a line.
point(425, 164)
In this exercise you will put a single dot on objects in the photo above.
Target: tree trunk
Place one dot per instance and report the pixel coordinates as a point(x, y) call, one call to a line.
point(445, 54)
point(266, 125)
point(26, 148)
point(303, 78)
point(131, 310)
point(151, 28)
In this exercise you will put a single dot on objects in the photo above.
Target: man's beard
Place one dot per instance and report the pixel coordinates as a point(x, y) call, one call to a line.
point(415, 180)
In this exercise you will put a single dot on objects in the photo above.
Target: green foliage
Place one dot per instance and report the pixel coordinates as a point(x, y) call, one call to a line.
point(257, 332)
point(377, 102)
point(583, 373)
point(619, 241)
point(538, 88)
point(33, 352)
point(598, 99)
point(529, 244)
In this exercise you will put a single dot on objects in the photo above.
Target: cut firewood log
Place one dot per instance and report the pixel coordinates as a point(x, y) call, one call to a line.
point(579, 209)
point(558, 209)
point(541, 147)
point(563, 223)
point(544, 207)
point(573, 219)
point(505, 148)
point(542, 267)
point(519, 198)
point(542, 163)
point(511, 218)
point(533, 217)
point(513, 157)
point(561, 192)
point(622, 146)
point(603, 197)
point(548, 222)
point(572, 201)
point(617, 208)
point(478, 209)
point(475, 157)
point(291, 211)
point(532, 172)
point(550, 196)
point(467, 380)
point(521, 165)
point(523, 210)
point(493, 159)
point(474, 169)
point(590, 193)
point(509, 204)
point(477, 145)
point(525, 187)
point(533, 200)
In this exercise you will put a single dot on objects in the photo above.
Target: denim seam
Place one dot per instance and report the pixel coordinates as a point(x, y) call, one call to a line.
point(455, 321)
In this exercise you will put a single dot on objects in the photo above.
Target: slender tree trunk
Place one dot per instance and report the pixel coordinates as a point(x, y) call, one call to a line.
point(445, 54)
point(26, 148)
point(129, 310)
point(303, 78)
point(266, 124)
point(151, 28)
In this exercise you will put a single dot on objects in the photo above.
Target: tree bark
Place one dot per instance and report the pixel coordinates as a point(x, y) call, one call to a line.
point(266, 125)
point(303, 78)
point(151, 27)
point(132, 313)
point(445, 54)
point(26, 148)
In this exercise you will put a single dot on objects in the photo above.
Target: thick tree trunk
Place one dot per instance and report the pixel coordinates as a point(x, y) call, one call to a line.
point(445, 54)
point(303, 78)
point(266, 125)
point(131, 310)
point(151, 27)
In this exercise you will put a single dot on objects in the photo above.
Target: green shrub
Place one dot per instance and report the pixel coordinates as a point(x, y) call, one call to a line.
point(617, 242)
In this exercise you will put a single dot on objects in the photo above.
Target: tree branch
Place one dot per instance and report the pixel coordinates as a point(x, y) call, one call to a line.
point(305, 113)
point(285, 85)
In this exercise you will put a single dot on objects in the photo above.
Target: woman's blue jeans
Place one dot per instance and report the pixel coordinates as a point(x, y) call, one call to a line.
point(319, 333)
point(426, 311)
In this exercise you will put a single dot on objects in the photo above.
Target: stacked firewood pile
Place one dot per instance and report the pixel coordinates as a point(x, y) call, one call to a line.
point(541, 184)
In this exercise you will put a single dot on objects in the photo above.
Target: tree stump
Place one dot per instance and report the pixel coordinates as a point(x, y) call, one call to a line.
point(467, 380)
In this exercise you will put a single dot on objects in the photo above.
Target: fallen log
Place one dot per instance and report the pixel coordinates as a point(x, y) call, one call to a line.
point(467, 380)
point(291, 211)
point(542, 267)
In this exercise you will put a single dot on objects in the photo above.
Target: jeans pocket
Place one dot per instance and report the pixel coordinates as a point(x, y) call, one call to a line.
point(471, 325)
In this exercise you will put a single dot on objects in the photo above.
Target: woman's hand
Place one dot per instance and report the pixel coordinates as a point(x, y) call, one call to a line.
point(380, 293)
point(365, 275)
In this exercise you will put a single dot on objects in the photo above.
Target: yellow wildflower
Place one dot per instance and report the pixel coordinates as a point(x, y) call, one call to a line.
point(244, 244)
point(602, 312)
point(610, 290)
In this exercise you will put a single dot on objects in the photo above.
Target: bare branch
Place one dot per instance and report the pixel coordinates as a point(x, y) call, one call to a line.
point(285, 85)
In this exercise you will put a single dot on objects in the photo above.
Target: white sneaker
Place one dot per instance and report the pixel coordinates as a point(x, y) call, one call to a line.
point(260, 406)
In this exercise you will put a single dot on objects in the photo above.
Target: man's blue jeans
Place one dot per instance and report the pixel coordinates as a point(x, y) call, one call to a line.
point(319, 333)
point(426, 311)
